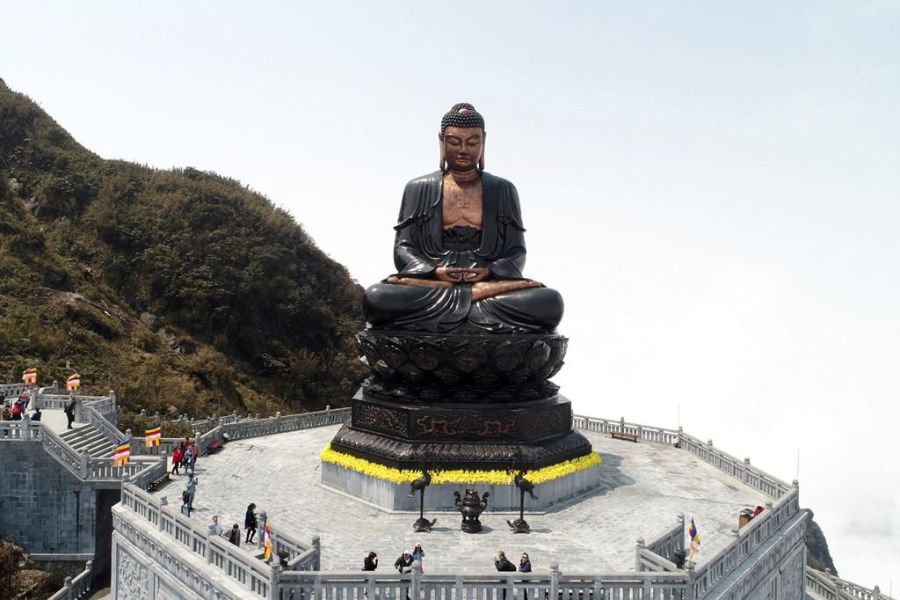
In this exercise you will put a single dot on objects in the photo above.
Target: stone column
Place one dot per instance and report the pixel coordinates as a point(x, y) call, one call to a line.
point(680, 545)
point(273, 582)
point(637, 554)
point(554, 580)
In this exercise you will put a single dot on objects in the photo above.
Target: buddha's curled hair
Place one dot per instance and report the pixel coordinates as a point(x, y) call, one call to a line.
point(462, 115)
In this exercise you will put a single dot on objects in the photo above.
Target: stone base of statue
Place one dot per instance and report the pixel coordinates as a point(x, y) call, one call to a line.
point(460, 402)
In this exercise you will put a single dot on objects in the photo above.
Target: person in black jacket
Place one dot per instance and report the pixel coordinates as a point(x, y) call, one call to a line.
point(404, 563)
point(370, 563)
point(250, 523)
point(502, 563)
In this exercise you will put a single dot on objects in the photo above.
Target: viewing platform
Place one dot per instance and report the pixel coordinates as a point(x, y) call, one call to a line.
point(644, 487)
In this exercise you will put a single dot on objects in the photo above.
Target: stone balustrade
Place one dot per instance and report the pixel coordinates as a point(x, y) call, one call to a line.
point(748, 540)
point(77, 587)
point(663, 547)
point(645, 433)
point(248, 428)
point(825, 586)
point(11, 390)
point(494, 586)
point(238, 565)
point(739, 469)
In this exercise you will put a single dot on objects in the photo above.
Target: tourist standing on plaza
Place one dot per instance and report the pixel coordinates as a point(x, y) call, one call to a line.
point(370, 563)
point(502, 563)
point(70, 411)
point(188, 496)
point(215, 528)
point(404, 563)
point(176, 460)
point(234, 536)
point(250, 523)
point(36, 415)
point(525, 564)
point(195, 454)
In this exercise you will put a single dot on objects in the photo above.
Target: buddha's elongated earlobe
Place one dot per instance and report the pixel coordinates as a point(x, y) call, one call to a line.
point(443, 164)
point(483, 146)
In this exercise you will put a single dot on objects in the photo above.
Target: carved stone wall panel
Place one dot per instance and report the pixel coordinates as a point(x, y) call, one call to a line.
point(132, 576)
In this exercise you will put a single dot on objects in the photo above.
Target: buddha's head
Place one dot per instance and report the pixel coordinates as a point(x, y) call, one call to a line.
point(462, 139)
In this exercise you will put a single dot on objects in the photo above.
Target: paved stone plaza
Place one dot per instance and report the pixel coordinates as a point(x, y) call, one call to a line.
point(644, 487)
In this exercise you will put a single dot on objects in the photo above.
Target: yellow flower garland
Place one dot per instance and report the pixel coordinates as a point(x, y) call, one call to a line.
point(456, 476)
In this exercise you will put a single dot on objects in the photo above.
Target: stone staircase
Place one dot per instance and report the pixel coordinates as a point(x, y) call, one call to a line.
point(88, 437)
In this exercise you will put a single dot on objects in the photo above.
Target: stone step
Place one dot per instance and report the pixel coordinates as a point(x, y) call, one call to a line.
point(100, 448)
point(86, 440)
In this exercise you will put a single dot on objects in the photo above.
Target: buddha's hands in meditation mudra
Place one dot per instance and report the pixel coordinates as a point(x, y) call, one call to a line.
point(476, 277)
point(460, 237)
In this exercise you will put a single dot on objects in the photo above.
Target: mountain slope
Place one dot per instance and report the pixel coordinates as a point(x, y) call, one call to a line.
point(181, 289)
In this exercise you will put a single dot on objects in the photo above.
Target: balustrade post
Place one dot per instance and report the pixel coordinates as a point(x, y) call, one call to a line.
point(67, 585)
point(681, 523)
point(745, 475)
point(84, 463)
point(637, 554)
point(278, 421)
point(416, 581)
point(273, 582)
point(370, 586)
point(209, 552)
point(554, 581)
point(622, 424)
point(163, 501)
point(691, 578)
point(876, 593)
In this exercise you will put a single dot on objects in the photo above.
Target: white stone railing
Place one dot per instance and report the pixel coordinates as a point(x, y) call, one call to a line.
point(11, 390)
point(748, 539)
point(659, 553)
point(494, 586)
point(77, 587)
point(248, 428)
point(237, 564)
point(20, 431)
point(646, 433)
point(829, 587)
point(739, 469)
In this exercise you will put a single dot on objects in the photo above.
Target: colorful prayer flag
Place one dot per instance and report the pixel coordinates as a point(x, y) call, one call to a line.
point(267, 543)
point(73, 382)
point(29, 376)
point(695, 539)
point(152, 436)
point(122, 453)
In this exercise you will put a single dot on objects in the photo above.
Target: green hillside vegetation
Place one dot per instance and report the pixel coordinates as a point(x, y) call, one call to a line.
point(182, 290)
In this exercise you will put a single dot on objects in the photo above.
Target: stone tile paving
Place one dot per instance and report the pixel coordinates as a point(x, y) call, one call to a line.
point(645, 486)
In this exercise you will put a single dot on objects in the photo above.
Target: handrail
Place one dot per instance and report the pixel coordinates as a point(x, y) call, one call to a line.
point(76, 587)
point(751, 537)
point(740, 469)
point(645, 433)
point(831, 587)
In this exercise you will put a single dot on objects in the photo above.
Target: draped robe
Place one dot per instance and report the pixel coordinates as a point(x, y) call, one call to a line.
point(421, 245)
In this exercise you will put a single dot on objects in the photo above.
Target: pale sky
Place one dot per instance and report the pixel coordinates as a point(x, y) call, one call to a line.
point(714, 187)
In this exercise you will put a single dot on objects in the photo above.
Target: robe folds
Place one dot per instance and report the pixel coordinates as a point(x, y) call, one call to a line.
point(422, 244)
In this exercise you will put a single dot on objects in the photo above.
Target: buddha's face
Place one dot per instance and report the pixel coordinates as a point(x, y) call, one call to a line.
point(463, 147)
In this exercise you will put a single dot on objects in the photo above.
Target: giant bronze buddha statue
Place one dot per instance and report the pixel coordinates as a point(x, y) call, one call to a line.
point(460, 248)
point(461, 345)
